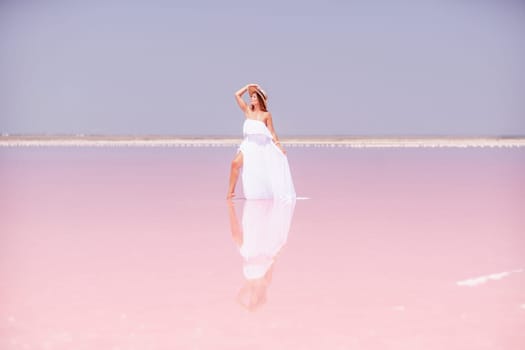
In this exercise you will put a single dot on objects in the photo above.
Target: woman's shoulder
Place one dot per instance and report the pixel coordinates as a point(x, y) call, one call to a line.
point(267, 115)
point(254, 115)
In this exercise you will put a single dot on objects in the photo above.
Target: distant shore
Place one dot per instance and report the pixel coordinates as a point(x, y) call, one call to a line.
point(323, 141)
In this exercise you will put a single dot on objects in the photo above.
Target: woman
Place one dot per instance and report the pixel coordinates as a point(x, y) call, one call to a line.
point(265, 169)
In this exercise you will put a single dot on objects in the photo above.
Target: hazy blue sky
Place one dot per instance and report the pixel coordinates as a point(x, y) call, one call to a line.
point(330, 67)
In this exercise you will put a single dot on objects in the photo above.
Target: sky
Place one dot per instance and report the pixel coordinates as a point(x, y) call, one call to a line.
point(330, 68)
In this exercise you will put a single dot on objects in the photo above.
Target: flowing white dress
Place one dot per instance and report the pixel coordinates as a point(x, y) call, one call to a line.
point(265, 171)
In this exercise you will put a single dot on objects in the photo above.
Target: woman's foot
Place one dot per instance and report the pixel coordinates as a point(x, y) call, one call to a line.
point(230, 195)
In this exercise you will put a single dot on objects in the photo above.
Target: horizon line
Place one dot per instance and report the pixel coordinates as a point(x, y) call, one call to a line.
point(225, 141)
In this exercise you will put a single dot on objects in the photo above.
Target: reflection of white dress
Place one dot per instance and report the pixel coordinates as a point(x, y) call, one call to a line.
point(265, 170)
point(265, 225)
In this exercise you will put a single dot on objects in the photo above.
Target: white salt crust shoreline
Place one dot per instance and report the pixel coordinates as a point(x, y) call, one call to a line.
point(365, 142)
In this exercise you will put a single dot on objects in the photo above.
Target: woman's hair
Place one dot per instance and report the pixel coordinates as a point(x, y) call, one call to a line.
point(262, 104)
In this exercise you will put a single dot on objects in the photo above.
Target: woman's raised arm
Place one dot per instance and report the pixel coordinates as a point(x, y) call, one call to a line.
point(238, 97)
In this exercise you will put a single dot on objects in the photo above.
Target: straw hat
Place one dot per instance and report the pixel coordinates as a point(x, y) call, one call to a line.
point(262, 93)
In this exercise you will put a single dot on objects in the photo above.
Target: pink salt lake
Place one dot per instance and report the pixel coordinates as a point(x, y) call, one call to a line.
point(136, 248)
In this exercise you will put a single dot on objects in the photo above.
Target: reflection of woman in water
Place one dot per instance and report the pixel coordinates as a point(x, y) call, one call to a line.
point(265, 169)
point(264, 231)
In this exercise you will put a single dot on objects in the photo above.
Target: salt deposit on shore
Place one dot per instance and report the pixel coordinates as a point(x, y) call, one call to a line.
point(353, 142)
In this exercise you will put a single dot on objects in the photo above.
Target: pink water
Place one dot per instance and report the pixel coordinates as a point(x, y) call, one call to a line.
point(136, 248)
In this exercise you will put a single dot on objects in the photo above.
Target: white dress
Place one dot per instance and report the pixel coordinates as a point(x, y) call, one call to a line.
point(265, 171)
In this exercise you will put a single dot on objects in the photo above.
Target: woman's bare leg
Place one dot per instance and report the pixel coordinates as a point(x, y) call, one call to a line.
point(234, 174)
